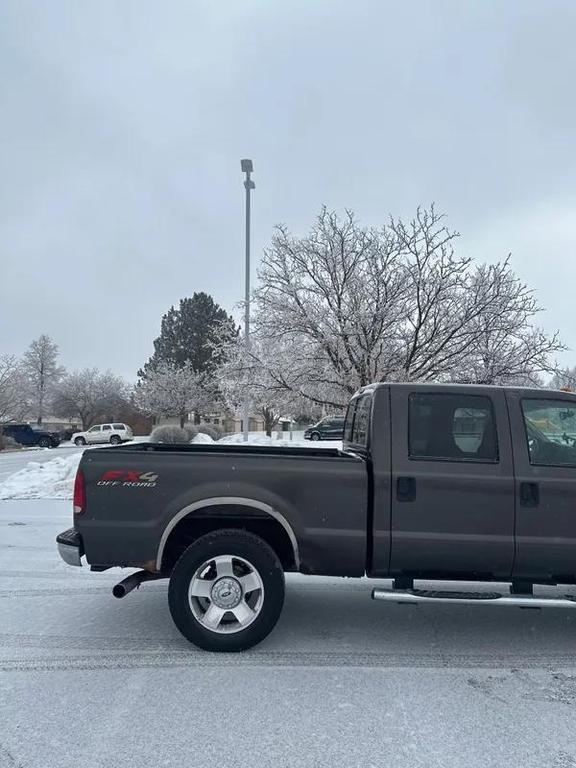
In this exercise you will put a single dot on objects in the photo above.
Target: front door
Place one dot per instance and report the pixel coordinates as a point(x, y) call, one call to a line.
point(544, 430)
point(452, 483)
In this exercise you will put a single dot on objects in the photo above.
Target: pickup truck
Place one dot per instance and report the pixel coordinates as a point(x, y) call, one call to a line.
point(434, 482)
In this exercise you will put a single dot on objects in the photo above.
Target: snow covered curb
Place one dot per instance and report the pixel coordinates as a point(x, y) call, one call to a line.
point(51, 480)
point(55, 479)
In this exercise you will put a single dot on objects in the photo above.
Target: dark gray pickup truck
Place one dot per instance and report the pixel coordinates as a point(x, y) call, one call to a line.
point(434, 482)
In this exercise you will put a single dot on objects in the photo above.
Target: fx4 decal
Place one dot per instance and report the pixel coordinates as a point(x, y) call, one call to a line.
point(128, 477)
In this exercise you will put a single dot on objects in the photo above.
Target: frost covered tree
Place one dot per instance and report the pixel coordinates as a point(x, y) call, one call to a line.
point(173, 390)
point(350, 305)
point(13, 404)
point(42, 372)
point(564, 379)
point(247, 374)
point(91, 395)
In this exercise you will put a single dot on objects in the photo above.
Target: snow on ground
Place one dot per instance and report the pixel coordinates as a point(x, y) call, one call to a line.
point(54, 479)
point(50, 480)
point(342, 682)
point(202, 438)
point(258, 438)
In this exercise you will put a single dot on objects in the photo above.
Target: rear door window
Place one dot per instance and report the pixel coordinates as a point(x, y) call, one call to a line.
point(447, 427)
point(106, 427)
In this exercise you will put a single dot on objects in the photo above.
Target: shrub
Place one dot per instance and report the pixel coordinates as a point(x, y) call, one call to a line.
point(211, 430)
point(191, 431)
point(169, 433)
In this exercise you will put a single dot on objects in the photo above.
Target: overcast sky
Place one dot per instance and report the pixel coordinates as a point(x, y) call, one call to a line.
point(122, 125)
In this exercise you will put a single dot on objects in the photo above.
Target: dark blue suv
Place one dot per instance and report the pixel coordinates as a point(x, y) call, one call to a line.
point(28, 435)
point(329, 428)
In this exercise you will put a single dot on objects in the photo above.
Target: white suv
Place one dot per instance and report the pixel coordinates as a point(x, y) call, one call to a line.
point(104, 433)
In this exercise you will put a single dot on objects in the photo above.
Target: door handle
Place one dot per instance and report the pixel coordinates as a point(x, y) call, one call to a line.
point(406, 488)
point(529, 494)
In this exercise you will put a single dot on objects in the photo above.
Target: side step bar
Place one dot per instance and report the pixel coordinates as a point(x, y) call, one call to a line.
point(423, 596)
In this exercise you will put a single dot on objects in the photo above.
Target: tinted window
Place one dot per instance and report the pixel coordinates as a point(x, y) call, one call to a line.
point(349, 423)
point(452, 428)
point(361, 420)
point(106, 427)
point(550, 431)
point(94, 429)
point(119, 426)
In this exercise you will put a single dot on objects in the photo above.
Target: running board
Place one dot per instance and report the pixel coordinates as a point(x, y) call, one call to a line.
point(420, 596)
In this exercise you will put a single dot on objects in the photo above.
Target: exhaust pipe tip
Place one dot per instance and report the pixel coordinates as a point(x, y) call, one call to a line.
point(133, 582)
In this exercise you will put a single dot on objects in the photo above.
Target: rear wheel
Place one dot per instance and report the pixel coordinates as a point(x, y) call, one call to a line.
point(44, 442)
point(115, 440)
point(226, 591)
point(80, 441)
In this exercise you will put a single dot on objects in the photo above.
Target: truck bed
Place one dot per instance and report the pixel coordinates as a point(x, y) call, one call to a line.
point(136, 494)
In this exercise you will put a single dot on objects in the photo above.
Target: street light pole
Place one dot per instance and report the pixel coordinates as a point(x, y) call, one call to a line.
point(247, 168)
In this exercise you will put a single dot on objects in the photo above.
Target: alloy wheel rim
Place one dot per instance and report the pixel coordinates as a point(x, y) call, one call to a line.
point(226, 594)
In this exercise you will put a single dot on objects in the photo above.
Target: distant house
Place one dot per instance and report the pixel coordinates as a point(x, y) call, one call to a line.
point(55, 423)
point(227, 420)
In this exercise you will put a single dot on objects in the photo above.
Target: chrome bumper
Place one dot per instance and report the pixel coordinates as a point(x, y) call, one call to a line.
point(70, 547)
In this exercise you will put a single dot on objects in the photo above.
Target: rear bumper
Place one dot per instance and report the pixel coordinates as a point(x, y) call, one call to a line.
point(70, 547)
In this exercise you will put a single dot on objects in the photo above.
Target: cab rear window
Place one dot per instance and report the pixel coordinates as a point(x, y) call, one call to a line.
point(356, 427)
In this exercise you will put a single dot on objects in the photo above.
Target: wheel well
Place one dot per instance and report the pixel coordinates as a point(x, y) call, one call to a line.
point(213, 518)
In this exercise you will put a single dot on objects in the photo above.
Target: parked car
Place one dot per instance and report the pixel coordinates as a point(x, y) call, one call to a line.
point(328, 428)
point(31, 435)
point(436, 482)
point(68, 432)
point(104, 433)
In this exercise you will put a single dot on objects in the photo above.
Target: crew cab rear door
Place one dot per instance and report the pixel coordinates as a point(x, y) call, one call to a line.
point(452, 482)
point(544, 433)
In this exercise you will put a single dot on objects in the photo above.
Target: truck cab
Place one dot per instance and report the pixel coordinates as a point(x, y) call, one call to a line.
point(469, 482)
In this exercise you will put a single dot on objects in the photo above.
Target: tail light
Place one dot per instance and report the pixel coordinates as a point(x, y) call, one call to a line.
point(79, 493)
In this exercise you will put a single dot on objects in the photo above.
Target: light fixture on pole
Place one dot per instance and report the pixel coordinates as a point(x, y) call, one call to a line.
point(248, 185)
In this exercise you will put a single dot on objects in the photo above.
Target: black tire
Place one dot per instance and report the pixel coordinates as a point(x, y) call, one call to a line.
point(79, 441)
point(239, 544)
point(44, 442)
point(115, 440)
point(315, 436)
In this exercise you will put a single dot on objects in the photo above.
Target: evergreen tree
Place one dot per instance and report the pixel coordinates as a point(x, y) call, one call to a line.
point(191, 335)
